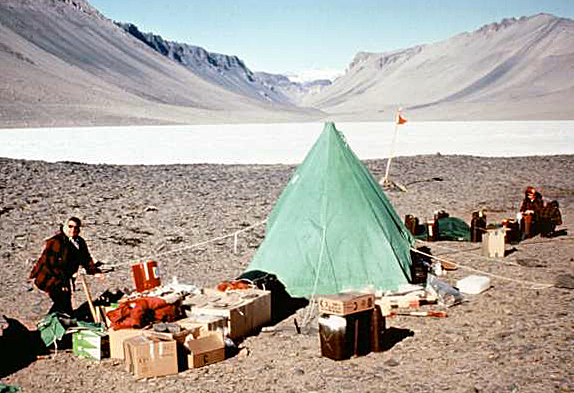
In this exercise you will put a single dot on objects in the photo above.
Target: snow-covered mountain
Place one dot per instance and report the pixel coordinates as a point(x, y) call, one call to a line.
point(230, 71)
point(64, 63)
point(516, 69)
point(223, 70)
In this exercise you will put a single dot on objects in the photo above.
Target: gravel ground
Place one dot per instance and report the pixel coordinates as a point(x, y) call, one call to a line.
point(515, 337)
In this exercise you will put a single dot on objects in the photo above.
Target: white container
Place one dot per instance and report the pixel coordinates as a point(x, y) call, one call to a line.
point(473, 284)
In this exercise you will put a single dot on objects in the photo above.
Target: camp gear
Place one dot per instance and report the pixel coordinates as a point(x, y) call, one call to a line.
point(512, 231)
point(91, 343)
point(446, 294)
point(146, 275)
point(440, 214)
point(333, 229)
point(53, 328)
point(412, 223)
point(282, 304)
point(477, 226)
point(432, 230)
point(342, 337)
point(95, 314)
point(445, 228)
point(420, 266)
point(378, 325)
point(147, 357)
point(526, 226)
point(346, 303)
point(493, 242)
point(141, 312)
point(473, 284)
point(434, 314)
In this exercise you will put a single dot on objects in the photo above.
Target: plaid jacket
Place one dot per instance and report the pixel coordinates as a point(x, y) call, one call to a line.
point(59, 261)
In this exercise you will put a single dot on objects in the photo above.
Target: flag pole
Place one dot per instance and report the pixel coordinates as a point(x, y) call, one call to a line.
point(386, 178)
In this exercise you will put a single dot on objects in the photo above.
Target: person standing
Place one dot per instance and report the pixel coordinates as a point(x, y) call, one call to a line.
point(62, 256)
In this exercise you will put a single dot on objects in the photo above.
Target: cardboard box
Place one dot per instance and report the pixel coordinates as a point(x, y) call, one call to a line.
point(238, 318)
point(205, 349)
point(166, 336)
point(204, 323)
point(91, 344)
point(180, 338)
point(117, 338)
point(150, 357)
point(346, 303)
point(261, 307)
point(245, 310)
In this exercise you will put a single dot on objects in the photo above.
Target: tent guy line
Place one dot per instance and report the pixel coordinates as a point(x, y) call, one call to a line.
point(534, 285)
point(234, 235)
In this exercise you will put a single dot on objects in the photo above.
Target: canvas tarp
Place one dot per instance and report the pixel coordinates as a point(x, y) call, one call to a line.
point(333, 229)
point(449, 228)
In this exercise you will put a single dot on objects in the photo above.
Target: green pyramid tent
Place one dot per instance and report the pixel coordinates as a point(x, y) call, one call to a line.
point(333, 229)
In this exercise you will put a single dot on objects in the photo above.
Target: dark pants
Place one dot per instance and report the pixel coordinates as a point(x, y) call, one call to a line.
point(62, 298)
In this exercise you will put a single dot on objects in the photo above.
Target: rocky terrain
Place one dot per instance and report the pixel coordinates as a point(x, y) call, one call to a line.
point(515, 337)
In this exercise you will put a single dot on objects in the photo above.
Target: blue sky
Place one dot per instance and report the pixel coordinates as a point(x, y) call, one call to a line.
point(296, 36)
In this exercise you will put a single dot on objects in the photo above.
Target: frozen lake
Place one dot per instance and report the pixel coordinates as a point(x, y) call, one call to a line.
point(282, 143)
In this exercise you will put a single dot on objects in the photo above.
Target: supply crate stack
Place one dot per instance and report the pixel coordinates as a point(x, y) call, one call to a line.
point(350, 324)
point(207, 320)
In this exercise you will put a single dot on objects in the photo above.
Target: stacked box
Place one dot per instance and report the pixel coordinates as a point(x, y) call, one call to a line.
point(148, 357)
point(205, 349)
point(347, 326)
point(245, 310)
point(204, 323)
point(117, 338)
point(91, 344)
point(346, 303)
point(342, 337)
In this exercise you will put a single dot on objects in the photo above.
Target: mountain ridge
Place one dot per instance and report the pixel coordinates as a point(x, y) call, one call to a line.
point(65, 63)
point(503, 63)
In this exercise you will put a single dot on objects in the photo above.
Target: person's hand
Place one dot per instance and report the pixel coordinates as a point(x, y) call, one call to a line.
point(32, 284)
point(100, 276)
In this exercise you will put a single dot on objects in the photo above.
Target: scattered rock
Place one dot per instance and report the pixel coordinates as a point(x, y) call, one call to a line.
point(299, 371)
point(530, 262)
point(485, 345)
point(392, 362)
point(564, 281)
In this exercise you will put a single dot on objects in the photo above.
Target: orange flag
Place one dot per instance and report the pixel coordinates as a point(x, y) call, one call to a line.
point(400, 119)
